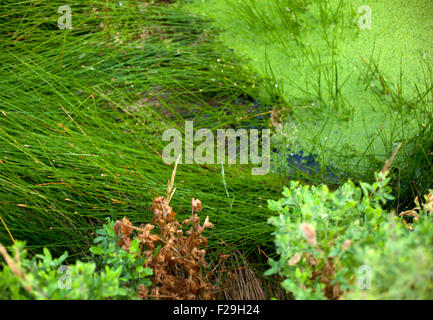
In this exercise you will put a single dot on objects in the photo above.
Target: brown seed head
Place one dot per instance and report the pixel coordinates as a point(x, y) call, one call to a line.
point(309, 233)
point(196, 205)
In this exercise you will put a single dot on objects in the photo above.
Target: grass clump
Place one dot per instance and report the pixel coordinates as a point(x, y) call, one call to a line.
point(82, 116)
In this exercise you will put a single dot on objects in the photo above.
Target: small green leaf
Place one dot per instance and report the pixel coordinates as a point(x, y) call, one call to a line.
point(96, 250)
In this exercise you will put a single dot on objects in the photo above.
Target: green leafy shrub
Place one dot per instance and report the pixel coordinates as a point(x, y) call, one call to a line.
point(109, 253)
point(116, 274)
point(401, 266)
point(343, 244)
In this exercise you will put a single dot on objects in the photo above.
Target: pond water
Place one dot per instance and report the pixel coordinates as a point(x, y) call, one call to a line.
point(351, 91)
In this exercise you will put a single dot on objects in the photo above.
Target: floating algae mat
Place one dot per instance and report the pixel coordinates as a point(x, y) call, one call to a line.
point(354, 75)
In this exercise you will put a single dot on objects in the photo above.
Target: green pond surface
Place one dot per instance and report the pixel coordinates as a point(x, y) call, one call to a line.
point(354, 93)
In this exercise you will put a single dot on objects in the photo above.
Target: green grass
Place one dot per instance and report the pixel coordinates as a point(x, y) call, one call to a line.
point(82, 116)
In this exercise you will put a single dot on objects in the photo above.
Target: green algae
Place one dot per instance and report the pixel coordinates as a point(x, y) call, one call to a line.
point(354, 93)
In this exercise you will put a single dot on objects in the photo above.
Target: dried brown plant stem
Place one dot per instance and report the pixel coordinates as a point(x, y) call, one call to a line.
point(7, 229)
point(390, 160)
